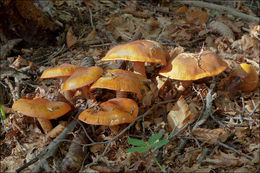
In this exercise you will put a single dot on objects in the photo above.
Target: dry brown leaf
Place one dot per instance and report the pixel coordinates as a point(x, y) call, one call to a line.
point(222, 160)
point(180, 114)
point(71, 39)
point(19, 62)
point(248, 45)
point(222, 29)
point(197, 17)
point(182, 10)
point(211, 136)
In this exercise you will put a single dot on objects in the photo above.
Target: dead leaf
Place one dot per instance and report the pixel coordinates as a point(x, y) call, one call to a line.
point(182, 10)
point(222, 29)
point(71, 39)
point(211, 136)
point(223, 160)
point(197, 17)
point(180, 114)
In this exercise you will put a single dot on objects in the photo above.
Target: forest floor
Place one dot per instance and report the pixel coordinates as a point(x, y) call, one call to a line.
point(216, 124)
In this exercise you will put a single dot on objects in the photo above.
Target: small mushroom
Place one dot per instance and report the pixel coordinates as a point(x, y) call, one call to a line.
point(81, 78)
point(188, 67)
point(139, 52)
point(121, 81)
point(63, 72)
point(42, 109)
point(243, 78)
point(113, 112)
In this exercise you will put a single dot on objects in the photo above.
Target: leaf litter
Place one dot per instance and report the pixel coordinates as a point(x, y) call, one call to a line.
point(222, 137)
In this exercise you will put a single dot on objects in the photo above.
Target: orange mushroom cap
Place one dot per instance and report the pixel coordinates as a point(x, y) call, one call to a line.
point(119, 80)
point(114, 111)
point(64, 70)
point(243, 78)
point(140, 50)
point(193, 66)
point(82, 77)
point(41, 108)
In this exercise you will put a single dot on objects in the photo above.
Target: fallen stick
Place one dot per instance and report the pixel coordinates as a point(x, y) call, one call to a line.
point(222, 9)
point(51, 149)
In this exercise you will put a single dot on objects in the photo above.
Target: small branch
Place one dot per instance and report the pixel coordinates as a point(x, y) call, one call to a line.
point(203, 155)
point(51, 149)
point(222, 9)
point(233, 149)
point(255, 108)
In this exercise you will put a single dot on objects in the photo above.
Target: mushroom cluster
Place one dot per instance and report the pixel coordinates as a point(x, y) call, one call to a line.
point(185, 67)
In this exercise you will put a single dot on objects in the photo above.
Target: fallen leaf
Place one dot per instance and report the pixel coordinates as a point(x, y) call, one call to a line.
point(71, 39)
point(210, 136)
point(180, 114)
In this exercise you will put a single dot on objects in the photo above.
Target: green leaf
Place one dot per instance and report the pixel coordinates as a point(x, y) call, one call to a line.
point(2, 112)
point(160, 143)
point(138, 149)
point(154, 138)
point(136, 142)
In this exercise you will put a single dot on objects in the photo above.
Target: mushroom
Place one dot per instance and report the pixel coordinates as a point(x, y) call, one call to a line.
point(62, 72)
point(139, 52)
point(243, 78)
point(81, 78)
point(188, 67)
point(42, 109)
point(113, 112)
point(121, 81)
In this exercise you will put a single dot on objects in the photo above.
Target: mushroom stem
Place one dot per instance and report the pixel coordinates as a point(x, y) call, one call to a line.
point(87, 94)
point(121, 94)
point(183, 85)
point(45, 124)
point(139, 68)
point(69, 96)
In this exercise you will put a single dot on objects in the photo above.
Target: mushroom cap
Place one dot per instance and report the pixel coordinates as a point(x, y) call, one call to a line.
point(41, 108)
point(119, 80)
point(193, 66)
point(82, 77)
point(246, 76)
point(140, 50)
point(64, 70)
point(113, 112)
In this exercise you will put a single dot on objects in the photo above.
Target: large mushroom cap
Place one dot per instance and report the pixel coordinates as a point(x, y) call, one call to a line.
point(243, 78)
point(119, 80)
point(82, 77)
point(191, 66)
point(140, 50)
point(64, 70)
point(41, 108)
point(113, 112)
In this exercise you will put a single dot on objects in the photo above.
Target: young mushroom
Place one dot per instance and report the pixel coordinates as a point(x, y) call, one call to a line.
point(81, 78)
point(139, 52)
point(121, 81)
point(113, 112)
point(42, 109)
point(243, 78)
point(62, 72)
point(188, 67)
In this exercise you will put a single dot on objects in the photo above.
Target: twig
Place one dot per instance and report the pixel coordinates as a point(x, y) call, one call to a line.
point(222, 9)
point(207, 112)
point(51, 148)
point(243, 109)
point(203, 155)
point(255, 108)
point(91, 18)
point(233, 149)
